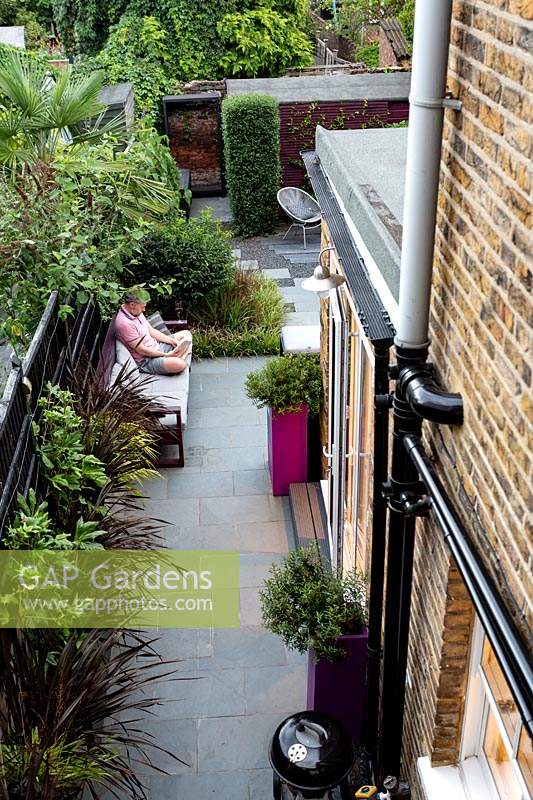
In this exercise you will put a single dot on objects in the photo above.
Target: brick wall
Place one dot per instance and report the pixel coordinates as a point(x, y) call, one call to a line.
point(481, 341)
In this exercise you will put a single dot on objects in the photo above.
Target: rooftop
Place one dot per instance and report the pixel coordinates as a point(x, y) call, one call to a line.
point(306, 89)
point(367, 170)
point(12, 35)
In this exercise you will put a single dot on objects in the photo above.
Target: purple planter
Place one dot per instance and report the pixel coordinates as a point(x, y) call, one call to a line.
point(287, 449)
point(338, 687)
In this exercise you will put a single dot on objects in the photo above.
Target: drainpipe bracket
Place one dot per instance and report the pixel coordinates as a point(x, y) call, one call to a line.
point(415, 504)
point(383, 401)
point(448, 101)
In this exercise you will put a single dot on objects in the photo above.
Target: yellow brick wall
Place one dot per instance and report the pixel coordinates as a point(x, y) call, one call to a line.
point(481, 345)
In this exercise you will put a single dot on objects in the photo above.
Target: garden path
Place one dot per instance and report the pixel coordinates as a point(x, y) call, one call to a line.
point(247, 681)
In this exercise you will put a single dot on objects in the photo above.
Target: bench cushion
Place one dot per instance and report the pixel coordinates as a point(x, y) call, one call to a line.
point(167, 390)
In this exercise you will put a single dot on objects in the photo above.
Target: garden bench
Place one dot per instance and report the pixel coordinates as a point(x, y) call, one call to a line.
point(170, 393)
point(309, 517)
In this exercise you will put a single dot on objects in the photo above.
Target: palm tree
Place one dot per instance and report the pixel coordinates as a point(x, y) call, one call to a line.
point(39, 113)
point(46, 123)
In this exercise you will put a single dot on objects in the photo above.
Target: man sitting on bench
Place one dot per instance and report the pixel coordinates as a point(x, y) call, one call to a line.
point(145, 343)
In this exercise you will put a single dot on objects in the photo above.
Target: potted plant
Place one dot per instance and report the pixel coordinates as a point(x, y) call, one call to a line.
point(291, 387)
point(317, 611)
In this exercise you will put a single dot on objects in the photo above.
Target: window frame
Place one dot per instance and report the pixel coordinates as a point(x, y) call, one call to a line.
point(473, 763)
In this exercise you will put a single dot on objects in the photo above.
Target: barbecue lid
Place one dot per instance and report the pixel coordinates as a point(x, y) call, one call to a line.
point(311, 750)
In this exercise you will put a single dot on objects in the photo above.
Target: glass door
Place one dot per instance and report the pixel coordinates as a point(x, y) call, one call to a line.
point(337, 435)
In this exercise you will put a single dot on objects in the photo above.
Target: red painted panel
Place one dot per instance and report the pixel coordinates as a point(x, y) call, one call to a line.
point(299, 121)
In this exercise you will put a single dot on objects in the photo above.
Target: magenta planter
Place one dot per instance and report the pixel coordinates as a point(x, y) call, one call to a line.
point(338, 687)
point(287, 449)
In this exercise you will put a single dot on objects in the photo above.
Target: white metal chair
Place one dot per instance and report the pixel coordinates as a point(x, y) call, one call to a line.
point(301, 208)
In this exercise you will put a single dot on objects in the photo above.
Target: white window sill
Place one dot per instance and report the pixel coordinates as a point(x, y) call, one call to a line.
point(440, 783)
point(466, 782)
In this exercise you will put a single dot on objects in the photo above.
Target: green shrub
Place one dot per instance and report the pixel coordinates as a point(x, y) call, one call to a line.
point(195, 254)
point(286, 382)
point(262, 42)
point(242, 318)
point(368, 54)
point(137, 50)
point(406, 17)
point(251, 149)
point(310, 607)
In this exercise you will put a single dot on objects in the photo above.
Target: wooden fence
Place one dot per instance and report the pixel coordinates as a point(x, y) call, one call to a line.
point(56, 344)
point(328, 58)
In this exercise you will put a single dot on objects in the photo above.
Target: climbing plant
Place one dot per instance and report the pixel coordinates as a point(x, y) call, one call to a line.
point(262, 42)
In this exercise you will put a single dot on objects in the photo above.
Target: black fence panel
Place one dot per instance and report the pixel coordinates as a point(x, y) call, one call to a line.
point(57, 345)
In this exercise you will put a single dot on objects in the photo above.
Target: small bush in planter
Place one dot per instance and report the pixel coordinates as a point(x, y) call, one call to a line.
point(196, 254)
point(286, 382)
point(310, 607)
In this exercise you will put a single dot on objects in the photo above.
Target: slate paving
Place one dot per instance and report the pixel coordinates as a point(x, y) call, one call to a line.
point(234, 685)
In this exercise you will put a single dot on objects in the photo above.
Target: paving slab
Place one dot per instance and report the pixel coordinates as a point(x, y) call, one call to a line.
point(303, 318)
point(179, 737)
point(202, 786)
point(259, 784)
point(210, 366)
point(250, 537)
point(243, 509)
point(220, 720)
point(302, 258)
point(175, 511)
point(231, 743)
point(234, 458)
point(206, 484)
point(246, 647)
point(297, 249)
point(276, 273)
point(256, 567)
point(224, 417)
point(252, 481)
point(201, 694)
point(241, 436)
point(271, 689)
point(250, 607)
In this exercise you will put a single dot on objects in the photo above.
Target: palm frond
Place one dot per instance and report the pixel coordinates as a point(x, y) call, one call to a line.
point(74, 99)
point(22, 81)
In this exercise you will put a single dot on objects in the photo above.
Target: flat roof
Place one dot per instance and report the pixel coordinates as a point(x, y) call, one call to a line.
point(12, 35)
point(308, 88)
point(367, 170)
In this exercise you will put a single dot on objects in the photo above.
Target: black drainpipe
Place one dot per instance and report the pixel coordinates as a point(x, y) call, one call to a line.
point(510, 649)
point(417, 397)
point(377, 564)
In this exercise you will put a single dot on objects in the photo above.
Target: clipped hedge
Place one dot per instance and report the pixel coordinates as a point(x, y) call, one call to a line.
point(250, 125)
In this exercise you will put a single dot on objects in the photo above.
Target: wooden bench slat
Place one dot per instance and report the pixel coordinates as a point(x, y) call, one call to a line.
point(301, 511)
point(309, 518)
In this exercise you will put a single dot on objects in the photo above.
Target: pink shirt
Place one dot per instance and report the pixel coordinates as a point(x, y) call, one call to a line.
point(132, 330)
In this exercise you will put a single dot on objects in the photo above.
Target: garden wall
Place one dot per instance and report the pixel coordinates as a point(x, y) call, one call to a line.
point(362, 100)
point(298, 122)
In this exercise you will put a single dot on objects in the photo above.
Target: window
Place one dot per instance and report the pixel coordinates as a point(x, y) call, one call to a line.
point(496, 755)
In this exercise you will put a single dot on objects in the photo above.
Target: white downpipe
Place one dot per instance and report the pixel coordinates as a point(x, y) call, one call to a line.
point(428, 87)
